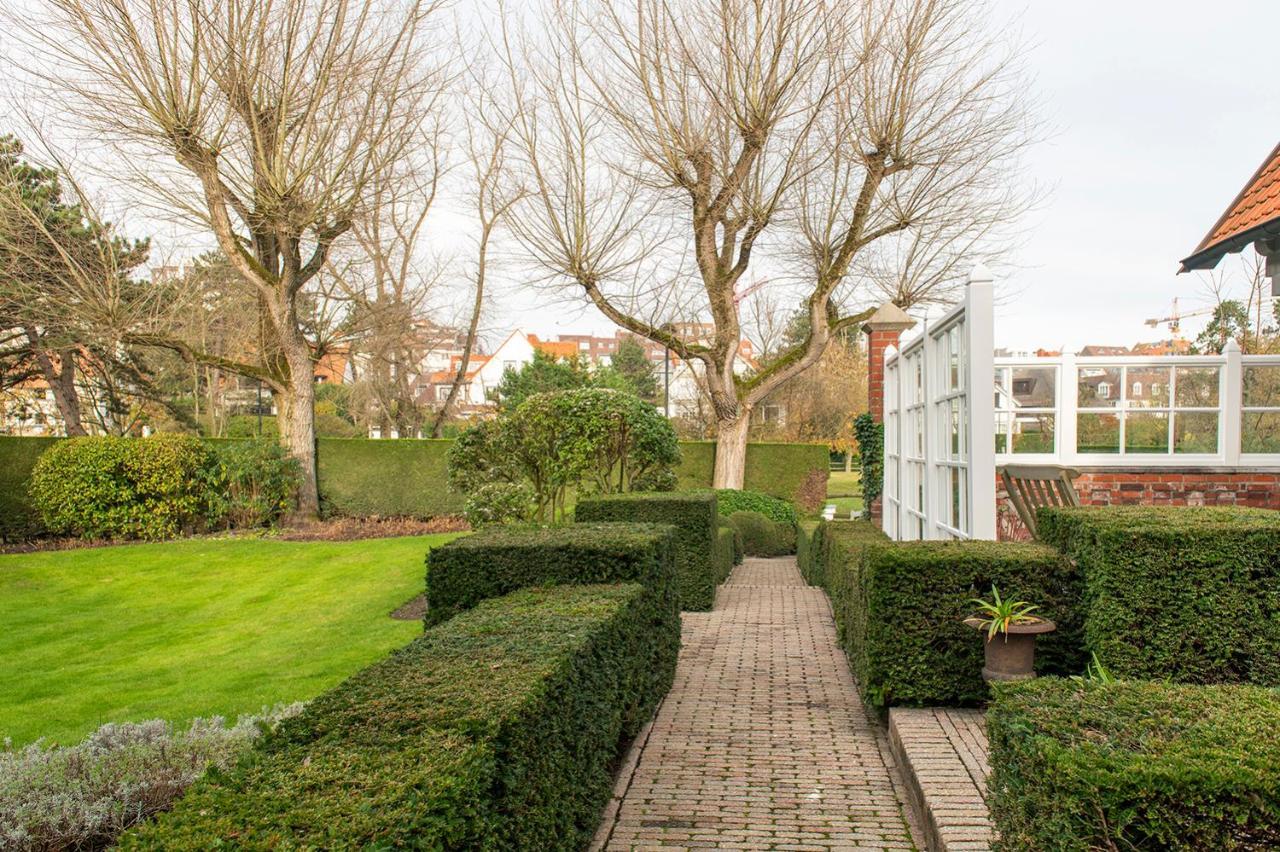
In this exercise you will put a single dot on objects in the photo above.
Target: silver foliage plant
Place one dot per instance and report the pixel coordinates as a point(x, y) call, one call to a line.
point(83, 796)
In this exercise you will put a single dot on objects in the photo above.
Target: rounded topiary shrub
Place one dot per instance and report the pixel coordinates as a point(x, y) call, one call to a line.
point(762, 536)
point(119, 488)
point(730, 500)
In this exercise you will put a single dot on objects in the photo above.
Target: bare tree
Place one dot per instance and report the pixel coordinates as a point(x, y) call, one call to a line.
point(487, 132)
point(667, 144)
point(281, 118)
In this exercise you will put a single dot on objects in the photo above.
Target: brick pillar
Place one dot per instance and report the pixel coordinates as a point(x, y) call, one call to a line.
point(883, 329)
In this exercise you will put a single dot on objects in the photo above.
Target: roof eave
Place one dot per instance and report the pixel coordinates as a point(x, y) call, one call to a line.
point(1208, 257)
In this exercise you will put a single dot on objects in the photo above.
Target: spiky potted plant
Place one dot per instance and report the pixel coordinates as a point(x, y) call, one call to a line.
point(1011, 632)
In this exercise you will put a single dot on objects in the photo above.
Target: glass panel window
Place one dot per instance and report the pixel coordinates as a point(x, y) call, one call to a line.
point(1148, 387)
point(1260, 432)
point(1195, 431)
point(1197, 387)
point(1262, 386)
point(1098, 387)
point(1098, 433)
point(1034, 387)
point(1147, 432)
point(1033, 433)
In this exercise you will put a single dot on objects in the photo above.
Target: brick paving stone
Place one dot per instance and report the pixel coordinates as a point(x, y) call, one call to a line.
point(943, 755)
point(763, 741)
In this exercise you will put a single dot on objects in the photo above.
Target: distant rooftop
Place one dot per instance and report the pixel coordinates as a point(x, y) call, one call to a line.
point(1254, 214)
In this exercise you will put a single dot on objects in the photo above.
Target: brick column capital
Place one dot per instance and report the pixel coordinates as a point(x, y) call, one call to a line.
point(883, 329)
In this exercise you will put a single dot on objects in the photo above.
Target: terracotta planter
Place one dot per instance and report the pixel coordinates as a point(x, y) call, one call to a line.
point(1012, 655)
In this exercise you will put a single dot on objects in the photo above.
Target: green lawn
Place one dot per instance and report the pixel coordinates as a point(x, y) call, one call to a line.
point(193, 628)
point(845, 490)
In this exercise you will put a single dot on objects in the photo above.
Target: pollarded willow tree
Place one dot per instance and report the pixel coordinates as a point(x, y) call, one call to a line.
point(283, 119)
point(671, 146)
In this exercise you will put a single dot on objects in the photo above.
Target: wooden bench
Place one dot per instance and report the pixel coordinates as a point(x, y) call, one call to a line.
point(1031, 486)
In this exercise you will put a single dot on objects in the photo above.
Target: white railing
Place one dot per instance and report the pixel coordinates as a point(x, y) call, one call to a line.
point(1180, 411)
point(939, 471)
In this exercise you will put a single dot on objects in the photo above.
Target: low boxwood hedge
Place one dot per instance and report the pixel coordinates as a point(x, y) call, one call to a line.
point(762, 536)
point(900, 607)
point(497, 730)
point(19, 518)
point(497, 560)
point(730, 500)
point(1134, 765)
point(726, 552)
point(833, 541)
point(1187, 594)
point(692, 513)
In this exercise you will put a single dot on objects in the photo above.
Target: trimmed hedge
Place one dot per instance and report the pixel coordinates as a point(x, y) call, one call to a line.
point(900, 608)
point(796, 473)
point(498, 560)
point(1134, 765)
point(730, 500)
point(693, 514)
point(835, 541)
point(762, 536)
point(1188, 594)
point(497, 729)
point(726, 553)
point(19, 518)
point(806, 531)
point(388, 478)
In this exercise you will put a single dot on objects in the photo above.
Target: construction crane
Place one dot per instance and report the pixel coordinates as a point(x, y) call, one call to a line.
point(1175, 317)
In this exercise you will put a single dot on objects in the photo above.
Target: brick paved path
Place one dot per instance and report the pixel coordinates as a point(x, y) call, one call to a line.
point(763, 742)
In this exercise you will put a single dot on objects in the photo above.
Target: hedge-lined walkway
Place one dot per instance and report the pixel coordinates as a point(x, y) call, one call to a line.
point(763, 742)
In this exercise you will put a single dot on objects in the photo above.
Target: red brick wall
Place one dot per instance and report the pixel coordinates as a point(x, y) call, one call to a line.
point(878, 341)
point(1118, 487)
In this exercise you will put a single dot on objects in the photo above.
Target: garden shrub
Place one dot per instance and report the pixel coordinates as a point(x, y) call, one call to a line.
point(83, 796)
point(837, 541)
point(497, 729)
point(120, 488)
point(497, 560)
point(805, 533)
point(694, 516)
point(252, 483)
point(1134, 765)
point(390, 478)
point(19, 518)
point(594, 440)
point(762, 536)
point(730, 500)
point(900, 608)
point(1186, 594)
point(796, 473)
point(726, 553)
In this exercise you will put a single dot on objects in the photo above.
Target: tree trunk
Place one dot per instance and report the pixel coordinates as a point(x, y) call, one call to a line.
point(297, 421)
point(731, 450)
point(62, 382)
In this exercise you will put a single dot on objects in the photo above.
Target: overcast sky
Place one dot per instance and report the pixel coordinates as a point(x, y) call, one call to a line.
point(1163, 110)
point(1159, 111)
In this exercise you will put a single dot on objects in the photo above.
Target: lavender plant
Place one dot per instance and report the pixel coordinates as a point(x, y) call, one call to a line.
point(82, 797)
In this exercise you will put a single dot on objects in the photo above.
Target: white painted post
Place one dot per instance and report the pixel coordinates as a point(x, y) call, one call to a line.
point(980, 328)
point(929, 358)
point(1068, 397)
point(1232, 401)
point(892, 402)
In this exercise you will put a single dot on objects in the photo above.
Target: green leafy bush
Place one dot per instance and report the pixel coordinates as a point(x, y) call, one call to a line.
point(900, 608)
point(495, 730)
point(762, 536)
point(730, 500)
point(1184, 594)
point(497, 560)
point(693, 514)
point(796, 473)
point(498, 503)
point(594, 440)
point(806, 533)
point(251, 483)
point(83, 796)
point(870, 436)
point(1134, 765)
point(726, 553)
point(122, 488)
point(19, 518)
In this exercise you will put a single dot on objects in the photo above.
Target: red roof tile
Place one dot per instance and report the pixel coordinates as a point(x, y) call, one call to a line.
point(1257, 206)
